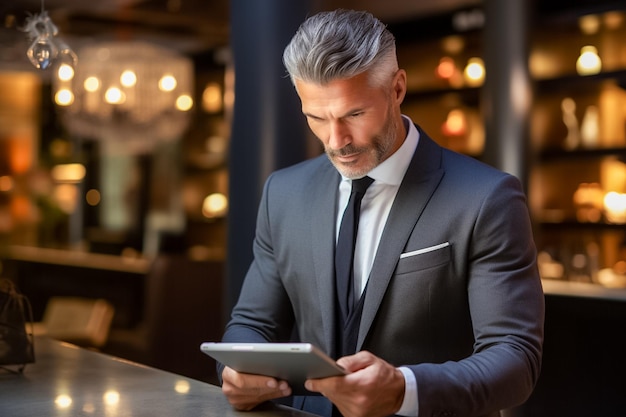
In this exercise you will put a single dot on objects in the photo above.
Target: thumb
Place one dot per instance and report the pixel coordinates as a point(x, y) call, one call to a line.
point(357, 361)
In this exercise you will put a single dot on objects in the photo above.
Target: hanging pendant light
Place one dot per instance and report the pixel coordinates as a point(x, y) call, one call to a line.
point(45, 46)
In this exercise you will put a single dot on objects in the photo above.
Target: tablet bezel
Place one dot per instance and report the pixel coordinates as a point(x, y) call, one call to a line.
point(292, 362)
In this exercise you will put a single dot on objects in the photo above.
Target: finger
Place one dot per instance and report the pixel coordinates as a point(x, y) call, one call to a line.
point(246, 391)
point(251, 397)
point(373, 385)
point(249, 382)
point(324, 386)
point(357, 361)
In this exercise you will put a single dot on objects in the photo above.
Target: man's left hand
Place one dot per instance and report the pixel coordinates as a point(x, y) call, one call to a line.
point(372, 388)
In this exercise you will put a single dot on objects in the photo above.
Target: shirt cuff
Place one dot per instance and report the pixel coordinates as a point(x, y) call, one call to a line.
point(410, 404)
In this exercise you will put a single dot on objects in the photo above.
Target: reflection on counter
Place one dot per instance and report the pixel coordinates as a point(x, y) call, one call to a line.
point(66, 380)
point(111, 402)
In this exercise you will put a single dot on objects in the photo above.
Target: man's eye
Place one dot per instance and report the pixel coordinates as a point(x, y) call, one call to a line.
point(357, 114)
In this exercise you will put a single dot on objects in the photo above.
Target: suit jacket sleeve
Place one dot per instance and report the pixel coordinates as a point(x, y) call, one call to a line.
point(263, 312)
point(506, 307)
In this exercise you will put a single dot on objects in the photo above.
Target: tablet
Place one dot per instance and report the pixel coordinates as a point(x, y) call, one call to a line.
point(292, 362)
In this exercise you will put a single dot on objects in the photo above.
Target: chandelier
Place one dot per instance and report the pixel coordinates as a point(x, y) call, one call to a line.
point(128, 94)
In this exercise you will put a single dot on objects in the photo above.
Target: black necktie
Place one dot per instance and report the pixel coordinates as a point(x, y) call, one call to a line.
point(344, 252)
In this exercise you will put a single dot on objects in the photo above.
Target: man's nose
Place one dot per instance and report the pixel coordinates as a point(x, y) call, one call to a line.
point(338, 136)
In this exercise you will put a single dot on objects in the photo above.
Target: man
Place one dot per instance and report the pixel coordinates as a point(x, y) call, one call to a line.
point(450, 301)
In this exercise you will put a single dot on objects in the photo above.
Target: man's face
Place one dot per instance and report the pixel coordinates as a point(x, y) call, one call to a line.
point(359, 125)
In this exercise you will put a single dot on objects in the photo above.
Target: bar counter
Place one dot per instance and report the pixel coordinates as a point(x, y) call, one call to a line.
point(67, 380)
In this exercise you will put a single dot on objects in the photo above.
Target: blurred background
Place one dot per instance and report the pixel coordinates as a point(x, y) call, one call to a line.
point(133, 158)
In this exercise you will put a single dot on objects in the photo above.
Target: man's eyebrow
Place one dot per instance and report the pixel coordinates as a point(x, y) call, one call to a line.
point(354, 110)
point(307, 114)
point(346, 114)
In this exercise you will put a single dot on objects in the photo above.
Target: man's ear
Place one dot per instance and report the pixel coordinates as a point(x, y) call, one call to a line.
point(399, 86)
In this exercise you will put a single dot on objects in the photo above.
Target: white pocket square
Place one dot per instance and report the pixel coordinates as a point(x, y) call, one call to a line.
point(424, 250)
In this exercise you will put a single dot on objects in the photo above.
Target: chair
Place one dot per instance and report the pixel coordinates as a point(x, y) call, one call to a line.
point(82, 321)
point(182, 308)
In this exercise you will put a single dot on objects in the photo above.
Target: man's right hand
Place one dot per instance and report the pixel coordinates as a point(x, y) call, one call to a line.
point(246, 391)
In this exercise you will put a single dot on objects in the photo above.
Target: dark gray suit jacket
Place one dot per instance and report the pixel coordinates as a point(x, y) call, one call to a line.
point(463, 308)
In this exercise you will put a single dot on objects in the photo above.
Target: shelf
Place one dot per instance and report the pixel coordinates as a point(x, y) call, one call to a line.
point(77, 259)
point(573, 81)
point(581, 289)
point(583, 153)
point(572, 224)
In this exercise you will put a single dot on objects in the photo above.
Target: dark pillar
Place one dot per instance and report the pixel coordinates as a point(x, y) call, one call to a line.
point(268, 131)
point(507, 94)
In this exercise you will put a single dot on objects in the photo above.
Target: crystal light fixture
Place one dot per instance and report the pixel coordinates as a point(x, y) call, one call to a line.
point(131, 94)
point(45, 46)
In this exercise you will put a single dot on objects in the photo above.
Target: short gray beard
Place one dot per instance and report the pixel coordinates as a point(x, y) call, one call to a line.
point(382, 143)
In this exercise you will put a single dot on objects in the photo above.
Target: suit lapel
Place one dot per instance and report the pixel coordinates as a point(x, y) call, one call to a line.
point(323, 209)
point(419, 183)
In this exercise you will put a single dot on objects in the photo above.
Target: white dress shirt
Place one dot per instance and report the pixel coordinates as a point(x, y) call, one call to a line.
point(375, 208)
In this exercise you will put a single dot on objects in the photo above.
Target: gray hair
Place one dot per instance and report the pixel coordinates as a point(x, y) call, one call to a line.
point(341, 44)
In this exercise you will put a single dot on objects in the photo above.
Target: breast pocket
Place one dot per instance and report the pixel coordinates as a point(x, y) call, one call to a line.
point(424, 258)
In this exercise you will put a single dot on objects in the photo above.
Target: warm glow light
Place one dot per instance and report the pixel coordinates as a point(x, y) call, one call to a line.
point(65, 72)
point(6, 183)
point(92, 84)
point(455, 124)
point(64, 97)
point(184, 102)
point(130, 93)
point(453, 44)
point(446, 68)
point(589, 61)
point(21, 208)
point(114, 96)
point(613, 20)
point(182, 386)
point(93, 197)
point(167, 83)
point(541, 64)
point(63, 401)
point(588, 201)
point(214, 205)
point(589, 24)
point(615, 207)
point(474, 72)
point(212, 98)
point(215, 144)
point(20, 155)
point(111, 397)
point(70, 173)
point(229, 89)
point(128, 78)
